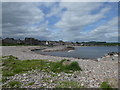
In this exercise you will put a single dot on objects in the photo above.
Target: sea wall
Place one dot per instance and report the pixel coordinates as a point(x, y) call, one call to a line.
point(58, 48)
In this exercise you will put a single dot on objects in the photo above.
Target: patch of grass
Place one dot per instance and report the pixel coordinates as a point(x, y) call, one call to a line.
point(105, 86)
point(0, 65)
point(68, 84)
point(4, 86)
point(73, 66)
point(13, 66)
point(0, 70)
point(9, 57)
point(59, 67)
point(14, 84)
point(4, 79)
point(31, 83)
point(63, 60)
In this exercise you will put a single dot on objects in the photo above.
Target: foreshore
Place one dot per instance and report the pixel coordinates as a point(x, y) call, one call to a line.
point(25, 53)
point(94, 72)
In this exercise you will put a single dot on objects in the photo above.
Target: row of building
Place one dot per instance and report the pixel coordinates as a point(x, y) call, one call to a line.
point(33, 41)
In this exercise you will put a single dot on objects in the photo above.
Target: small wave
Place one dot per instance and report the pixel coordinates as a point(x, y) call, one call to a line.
point(70, 50)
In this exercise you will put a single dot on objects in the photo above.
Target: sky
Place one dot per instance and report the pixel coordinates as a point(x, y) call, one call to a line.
point(67, 21)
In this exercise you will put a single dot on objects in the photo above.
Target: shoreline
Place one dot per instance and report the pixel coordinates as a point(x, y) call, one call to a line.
point(110, 56)
point(65, 57)
point(95, 71)
point(20, 52)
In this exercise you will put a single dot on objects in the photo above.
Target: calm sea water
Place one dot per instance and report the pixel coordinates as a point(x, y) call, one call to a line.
point(91, 52)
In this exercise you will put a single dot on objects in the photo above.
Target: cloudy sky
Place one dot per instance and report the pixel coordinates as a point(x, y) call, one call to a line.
point(68, 21)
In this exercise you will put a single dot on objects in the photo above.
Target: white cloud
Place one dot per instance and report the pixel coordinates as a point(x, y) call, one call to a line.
point(78, 16)
point(27, 20)
point(106, 32)
point(21, 13)
point(18, 18)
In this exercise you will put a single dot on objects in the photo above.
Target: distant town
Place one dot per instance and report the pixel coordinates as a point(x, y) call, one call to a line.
point(33, 41)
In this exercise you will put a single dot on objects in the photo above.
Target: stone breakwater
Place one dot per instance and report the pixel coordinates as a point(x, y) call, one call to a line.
point(111, 56)
point(58, 48)
point(94, 72)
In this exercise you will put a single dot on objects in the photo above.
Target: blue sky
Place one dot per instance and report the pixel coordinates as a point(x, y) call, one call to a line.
point(68, 21)
point(112, 13)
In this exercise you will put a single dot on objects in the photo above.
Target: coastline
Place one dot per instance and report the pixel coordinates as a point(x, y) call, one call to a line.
point(96, 71)
point(27, 53)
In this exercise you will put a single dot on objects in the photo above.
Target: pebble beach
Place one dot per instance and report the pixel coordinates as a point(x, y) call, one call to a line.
point(92, 75)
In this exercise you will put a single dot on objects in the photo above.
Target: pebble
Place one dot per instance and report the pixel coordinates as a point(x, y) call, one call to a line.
point(93, 72)
point(44, 84)
point(58, 75)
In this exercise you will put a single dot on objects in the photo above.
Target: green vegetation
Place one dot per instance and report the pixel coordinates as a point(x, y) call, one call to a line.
point(13, 66)
point(59, 67)
point(68, 84)
point(112, 44)
point(94, 43)
point(0, 68)
point(14, 84)
point(31, 83)
point(4, 79)
point(73, 66)
point(91, 43)
point(105, 86)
